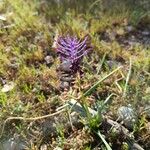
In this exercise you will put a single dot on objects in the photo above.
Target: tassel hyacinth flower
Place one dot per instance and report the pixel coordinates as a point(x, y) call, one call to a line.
point(71, 51)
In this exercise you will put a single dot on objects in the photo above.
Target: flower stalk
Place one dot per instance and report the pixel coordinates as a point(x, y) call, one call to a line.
point(71, 50)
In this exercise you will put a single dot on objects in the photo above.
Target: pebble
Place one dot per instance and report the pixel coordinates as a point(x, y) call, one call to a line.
point(130, 28)
point(13, 144)
point(67, 79)
point(49, 59)
point(146, 33)
point(128, 116)
point(43, 147)
point(64, 85)
point(8, 87)
point(65, 66)
point(3, 18)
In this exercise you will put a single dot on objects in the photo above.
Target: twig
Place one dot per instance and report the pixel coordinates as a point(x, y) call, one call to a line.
point(29, 119)
point(119, 129)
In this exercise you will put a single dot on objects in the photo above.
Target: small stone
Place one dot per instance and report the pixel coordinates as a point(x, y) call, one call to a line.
point(128, 116)
point(65, 66)
point(3, 18)
point(146, 33)
point(49, 59)
point(43, 147)
point(130, 28)
point(64, 85)
point(13, 144)
point(67, 79)
point(8, 87)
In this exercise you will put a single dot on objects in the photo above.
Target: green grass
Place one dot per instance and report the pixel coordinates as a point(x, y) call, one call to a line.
point(27, 36)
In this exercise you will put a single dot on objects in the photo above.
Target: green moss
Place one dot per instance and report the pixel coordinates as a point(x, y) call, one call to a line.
point(27, 38)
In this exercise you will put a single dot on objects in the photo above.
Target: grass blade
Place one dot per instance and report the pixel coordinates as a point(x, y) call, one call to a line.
point(101, 64)
point(104, 141)
point(88, 92)
point(127, 79)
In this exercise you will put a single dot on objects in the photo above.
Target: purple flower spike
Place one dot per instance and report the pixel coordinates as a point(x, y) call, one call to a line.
point(71, 49)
